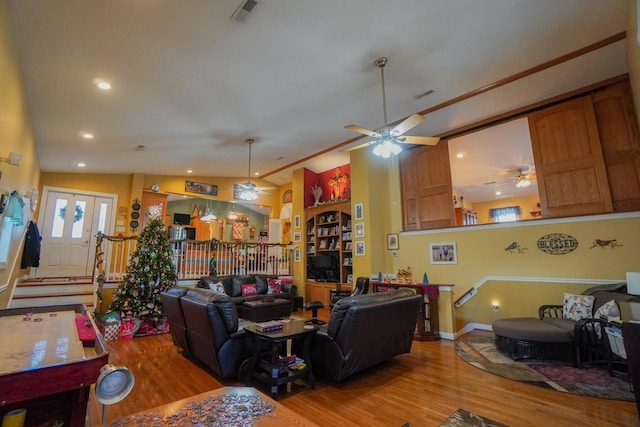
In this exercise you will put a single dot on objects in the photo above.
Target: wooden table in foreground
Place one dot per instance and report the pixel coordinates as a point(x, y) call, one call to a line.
point(44, 368)
point(280, 416)
point(428, 325)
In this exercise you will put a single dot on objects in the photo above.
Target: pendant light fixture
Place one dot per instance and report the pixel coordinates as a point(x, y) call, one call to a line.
point(249, 191)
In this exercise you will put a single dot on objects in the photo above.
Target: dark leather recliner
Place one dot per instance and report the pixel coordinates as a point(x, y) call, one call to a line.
point(363, 331)
point(213, 333)
point(362, 287)
point(177, 326)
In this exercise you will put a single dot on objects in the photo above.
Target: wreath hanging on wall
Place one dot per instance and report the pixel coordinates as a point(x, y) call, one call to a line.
point(78, 215)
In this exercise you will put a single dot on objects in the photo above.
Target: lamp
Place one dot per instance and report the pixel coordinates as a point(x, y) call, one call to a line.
point(208, 215)
point(113, 385)
point(13, 159)
point(249, 191)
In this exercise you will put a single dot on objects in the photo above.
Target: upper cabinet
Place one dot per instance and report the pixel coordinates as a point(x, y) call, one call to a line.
point(615, 116)
point(586, 152)
point(426, 188)
point(572, 179)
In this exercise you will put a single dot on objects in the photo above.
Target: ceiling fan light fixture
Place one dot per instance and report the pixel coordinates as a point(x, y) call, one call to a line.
point(248, 195)
point(522, 181)
point(386, 149)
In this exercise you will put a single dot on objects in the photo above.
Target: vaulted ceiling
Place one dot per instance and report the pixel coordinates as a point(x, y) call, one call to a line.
point(190, 84)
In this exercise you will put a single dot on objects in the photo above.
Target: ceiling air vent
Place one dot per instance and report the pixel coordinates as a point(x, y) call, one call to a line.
point(244, 10)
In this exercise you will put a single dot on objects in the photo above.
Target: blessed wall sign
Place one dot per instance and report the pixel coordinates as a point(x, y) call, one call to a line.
point(557, 244)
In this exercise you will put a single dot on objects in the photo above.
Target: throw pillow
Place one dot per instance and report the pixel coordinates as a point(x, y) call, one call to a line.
point(274, 286)
point(576, 307)
point(249, 289)
point(607, 310)
point(218, 287)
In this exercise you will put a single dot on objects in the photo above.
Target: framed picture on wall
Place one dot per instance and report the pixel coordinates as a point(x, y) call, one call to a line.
point(359, 248)
point(297, 237)
point(296, 255)
point(443, 253)
point(359, 212)
point(359, 230)
point(296, 221)
point(392, 241)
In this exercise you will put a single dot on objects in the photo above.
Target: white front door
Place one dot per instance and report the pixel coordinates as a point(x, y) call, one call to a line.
point(70, 221)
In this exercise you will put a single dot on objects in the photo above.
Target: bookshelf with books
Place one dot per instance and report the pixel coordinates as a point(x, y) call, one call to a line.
point(329, 248)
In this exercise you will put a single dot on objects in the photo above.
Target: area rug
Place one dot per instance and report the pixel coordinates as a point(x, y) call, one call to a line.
point(482, 353)
point(462, 418)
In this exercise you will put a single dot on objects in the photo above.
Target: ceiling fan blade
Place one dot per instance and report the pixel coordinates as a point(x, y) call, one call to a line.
point(408, 123)
point(359, 146)
point(363, 131)
point(419, 140)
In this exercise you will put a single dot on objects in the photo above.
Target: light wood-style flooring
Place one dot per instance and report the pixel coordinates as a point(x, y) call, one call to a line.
point(422, 388)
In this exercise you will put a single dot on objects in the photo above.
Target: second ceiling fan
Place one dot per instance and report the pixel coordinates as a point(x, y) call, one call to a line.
point(388, 137)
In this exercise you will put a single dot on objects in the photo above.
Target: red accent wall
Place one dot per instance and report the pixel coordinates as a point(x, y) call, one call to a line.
point(322, 179)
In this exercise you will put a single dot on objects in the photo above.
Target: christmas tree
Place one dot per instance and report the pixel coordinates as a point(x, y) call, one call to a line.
point(150, 272)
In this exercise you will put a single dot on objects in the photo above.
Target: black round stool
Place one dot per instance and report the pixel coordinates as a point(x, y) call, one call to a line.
point(314, 306)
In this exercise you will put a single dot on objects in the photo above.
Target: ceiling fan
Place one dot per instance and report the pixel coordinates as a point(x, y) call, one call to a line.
point(521, 177)
point(249, 191)
point(388, 137)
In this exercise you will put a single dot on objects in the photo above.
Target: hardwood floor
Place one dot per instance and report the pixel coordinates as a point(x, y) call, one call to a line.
point(422, 388)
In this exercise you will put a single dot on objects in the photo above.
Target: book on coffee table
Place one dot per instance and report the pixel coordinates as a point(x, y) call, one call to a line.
point(270, 326)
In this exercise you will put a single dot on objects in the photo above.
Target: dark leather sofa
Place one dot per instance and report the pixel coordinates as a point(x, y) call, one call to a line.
point(364, 331)
point(205, 324)
point(233, 288)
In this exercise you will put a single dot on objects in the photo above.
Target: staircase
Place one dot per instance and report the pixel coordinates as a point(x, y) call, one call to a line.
point(41, 292)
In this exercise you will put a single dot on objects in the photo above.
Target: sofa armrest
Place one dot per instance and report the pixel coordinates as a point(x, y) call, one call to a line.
point(550, 311)
point(289, 288)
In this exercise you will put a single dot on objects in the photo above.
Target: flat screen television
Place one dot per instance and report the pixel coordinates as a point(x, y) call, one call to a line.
point(322, 261)
point(181, 219)
point(323, 268)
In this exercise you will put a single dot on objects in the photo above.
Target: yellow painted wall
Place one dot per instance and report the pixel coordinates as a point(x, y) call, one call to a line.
point(481, 253)
point(299, 268)
point(16, 136)
point(527, 204)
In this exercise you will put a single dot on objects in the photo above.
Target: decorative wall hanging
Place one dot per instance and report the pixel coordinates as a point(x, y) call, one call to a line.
point(605, 243)
point(338, 184)
point(200, 188)
point(515, 247)
point(287, 196)
point(557, 244)
point(135, 214)
point(443, 253)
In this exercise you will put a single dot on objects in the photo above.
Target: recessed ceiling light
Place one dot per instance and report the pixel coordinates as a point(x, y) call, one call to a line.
point(87, 135)
point(81, 165)
point(189, 171)
point(256, 173)
point(139, 147)
point(498, 193)
point(102, 85)
point(459, 155)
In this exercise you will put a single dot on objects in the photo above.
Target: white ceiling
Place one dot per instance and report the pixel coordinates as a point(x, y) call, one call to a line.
point(191, 85)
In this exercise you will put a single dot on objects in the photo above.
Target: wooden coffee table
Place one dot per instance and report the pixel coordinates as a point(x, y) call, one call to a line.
point(173, 414)
point(292, 330)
